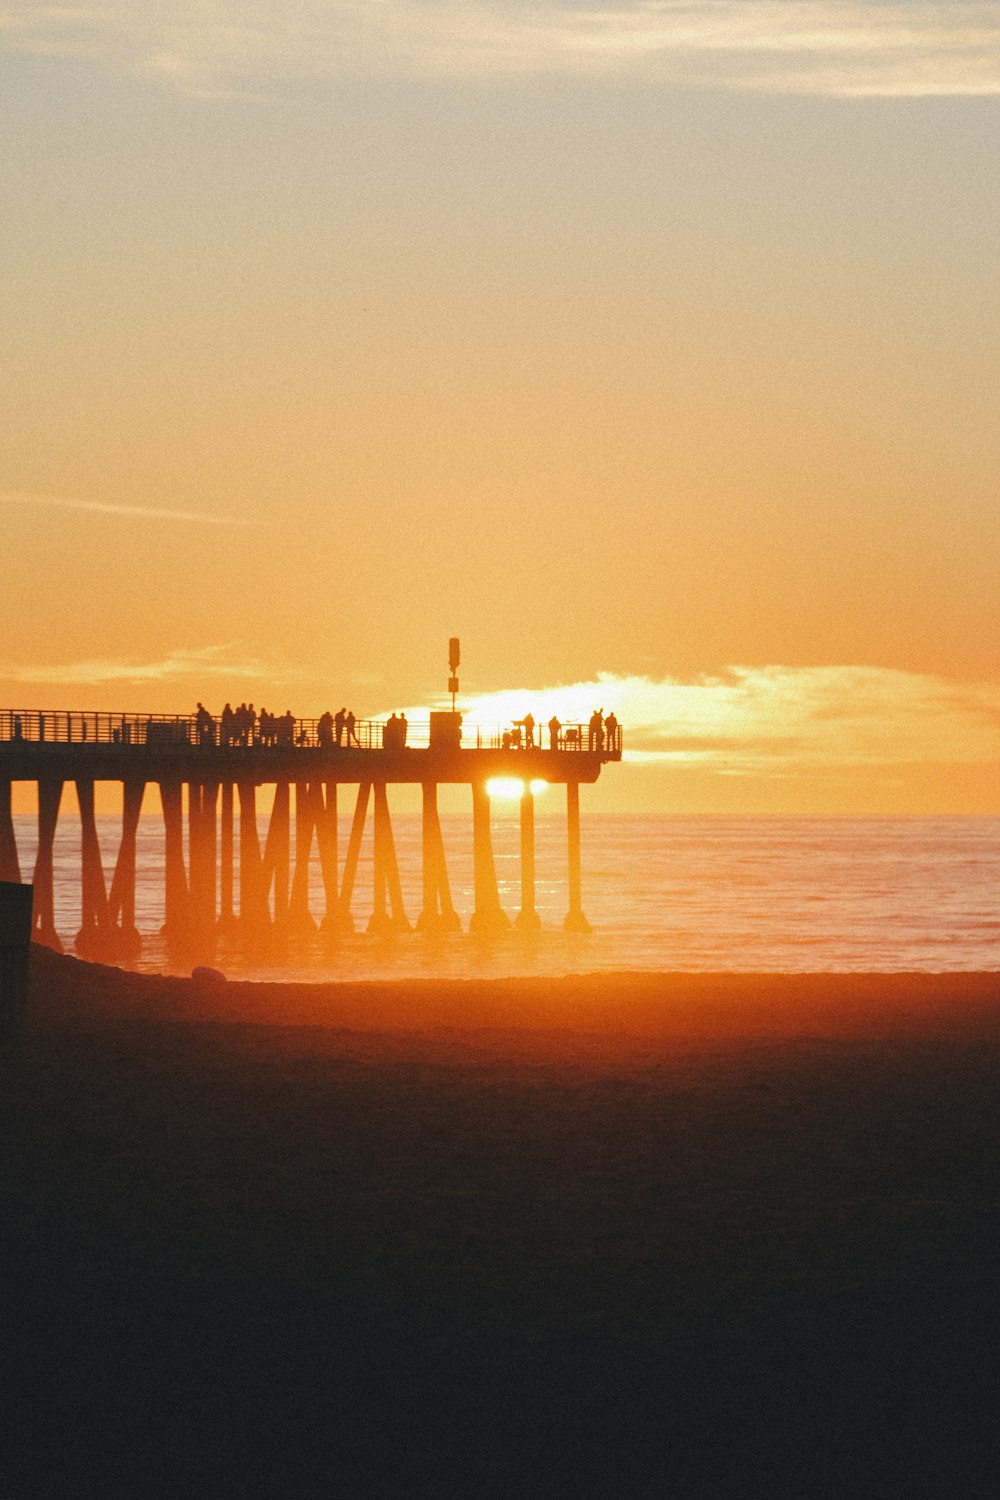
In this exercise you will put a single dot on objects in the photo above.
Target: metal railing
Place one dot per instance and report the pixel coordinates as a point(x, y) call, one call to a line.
point(182, 732)
point(573, 737)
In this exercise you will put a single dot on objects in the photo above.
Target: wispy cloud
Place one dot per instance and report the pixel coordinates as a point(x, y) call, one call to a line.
point(768, 720)
point(835, 47)
point(132, 512)
point(207, 662)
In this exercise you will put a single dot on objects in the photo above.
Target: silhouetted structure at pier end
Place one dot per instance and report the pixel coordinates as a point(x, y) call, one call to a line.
point(201, 893)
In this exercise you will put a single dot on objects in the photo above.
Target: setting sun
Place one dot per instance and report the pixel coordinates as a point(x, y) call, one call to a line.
point(509, 787)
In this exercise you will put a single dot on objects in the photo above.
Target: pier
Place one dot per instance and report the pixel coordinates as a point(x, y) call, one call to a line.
point(232, 876)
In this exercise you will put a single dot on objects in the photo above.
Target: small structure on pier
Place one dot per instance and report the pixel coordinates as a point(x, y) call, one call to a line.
point(215, 779)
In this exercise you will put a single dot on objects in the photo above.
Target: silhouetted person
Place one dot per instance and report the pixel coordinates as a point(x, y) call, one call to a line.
point(349, 725)
point(554, 728)
point(226, 726)
point(339, 721)
point(390, 734)
point(204, 726)
point(403, 727)
point(595, 730)
point(283, 729)
point(324, 730)
point(611, 732)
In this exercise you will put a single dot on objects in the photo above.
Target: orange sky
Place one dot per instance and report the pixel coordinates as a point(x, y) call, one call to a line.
point(613, 347)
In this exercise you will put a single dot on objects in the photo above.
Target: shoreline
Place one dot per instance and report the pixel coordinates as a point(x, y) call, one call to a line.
point(641, 1005)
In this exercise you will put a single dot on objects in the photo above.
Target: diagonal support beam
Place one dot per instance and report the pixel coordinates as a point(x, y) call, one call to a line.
point(43, 916)
point(299, 915)
point(121, 902)
point(438, 914)
point(254, 914)
point(94, 938)
point(277, 853)
point(387, 882)
point(344, 921)
point(325, 818)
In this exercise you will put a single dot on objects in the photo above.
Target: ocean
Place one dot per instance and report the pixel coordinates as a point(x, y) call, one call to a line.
point(766, 894)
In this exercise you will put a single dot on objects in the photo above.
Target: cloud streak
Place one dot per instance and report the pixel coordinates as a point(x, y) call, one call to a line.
point(901, 48)
point(130, 512)
point(207, 662)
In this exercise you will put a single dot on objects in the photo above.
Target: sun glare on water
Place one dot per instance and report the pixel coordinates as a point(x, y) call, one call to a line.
point(512, 786)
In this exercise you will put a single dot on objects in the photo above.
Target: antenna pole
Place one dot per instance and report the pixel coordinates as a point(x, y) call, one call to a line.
point(454, 657)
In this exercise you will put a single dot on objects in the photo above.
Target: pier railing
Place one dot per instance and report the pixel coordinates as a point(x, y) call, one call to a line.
point(181, 732)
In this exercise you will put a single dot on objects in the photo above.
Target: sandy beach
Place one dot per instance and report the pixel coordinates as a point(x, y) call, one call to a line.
point(666, 1235)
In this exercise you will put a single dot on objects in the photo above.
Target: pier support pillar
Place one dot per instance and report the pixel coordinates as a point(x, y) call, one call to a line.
point(10, 867)
point(94, 937)
point(254, 915)
point(438, 913)
point(125, 937)
point(226, 916)
point(277, 853)
point(527, 918)
point(325, 818)
point(387, 882)
point(489, 915)
point(299, 916)
point(43, 914)
point(203, 801)
point(575, 919)
point(175, 903)
point(343, 921)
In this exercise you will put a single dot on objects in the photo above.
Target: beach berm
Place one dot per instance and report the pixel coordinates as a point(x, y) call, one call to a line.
point(652, 1235)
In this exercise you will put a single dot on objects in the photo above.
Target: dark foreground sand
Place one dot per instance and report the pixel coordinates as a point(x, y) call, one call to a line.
point(642, 1235)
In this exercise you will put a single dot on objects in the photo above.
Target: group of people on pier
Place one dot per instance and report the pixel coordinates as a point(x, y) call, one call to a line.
point(602, 733)
point(394, 732)
point(245, 726)
point(337, 729)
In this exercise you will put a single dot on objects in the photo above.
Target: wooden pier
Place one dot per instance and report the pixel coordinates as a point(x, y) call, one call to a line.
point(213, 781)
